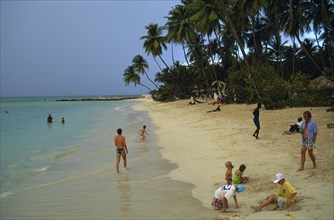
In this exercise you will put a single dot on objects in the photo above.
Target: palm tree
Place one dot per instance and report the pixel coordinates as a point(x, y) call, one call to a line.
point(130, 76)
point(252, 8)
point(140, 65)
point(298, 23)
point(154, 42)
point(180, 31)
point(206, 15)
point(226, 10)
point(275, 45)
point(320, 13)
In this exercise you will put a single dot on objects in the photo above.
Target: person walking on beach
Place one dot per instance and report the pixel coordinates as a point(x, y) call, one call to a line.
point(285, 196)
point(256, 120)
point(121, 149)
point(309, 131)
point(142, 133)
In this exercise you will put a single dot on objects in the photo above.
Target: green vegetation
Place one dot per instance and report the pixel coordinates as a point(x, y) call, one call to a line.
point(240, 42)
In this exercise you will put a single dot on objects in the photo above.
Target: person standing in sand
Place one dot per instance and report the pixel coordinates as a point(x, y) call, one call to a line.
point(229, 167)
point(121, 149)
point(285, 195)
point(256, 120)
point(309, 131)
point(142, 133)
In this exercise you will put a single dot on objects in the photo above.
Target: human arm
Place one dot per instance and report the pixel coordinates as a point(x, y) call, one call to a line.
point(290, 198)
point(124, 144)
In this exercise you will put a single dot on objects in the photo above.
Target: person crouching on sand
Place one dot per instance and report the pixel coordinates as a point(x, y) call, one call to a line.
point(121, 149)
point(224, 193)
point(285, 196)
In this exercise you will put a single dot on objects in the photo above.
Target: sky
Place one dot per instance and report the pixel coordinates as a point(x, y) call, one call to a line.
point(72, 48)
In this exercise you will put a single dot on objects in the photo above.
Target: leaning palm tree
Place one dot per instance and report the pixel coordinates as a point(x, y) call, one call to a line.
point(130, 76)
point(298, 23)
point(226, 10)
point(154, 42)
point(140, 65)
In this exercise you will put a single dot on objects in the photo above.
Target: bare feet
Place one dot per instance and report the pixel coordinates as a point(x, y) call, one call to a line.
point(314, 166)
point(256, 208)
point(300, 169)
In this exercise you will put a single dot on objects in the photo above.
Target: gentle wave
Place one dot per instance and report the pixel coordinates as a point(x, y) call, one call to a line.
point(40, 170)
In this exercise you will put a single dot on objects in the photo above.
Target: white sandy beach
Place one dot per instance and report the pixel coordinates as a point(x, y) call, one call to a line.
point(200, 143)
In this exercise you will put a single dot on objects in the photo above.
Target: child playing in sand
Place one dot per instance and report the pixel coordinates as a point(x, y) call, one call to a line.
point(238, 178)
point(229, 168)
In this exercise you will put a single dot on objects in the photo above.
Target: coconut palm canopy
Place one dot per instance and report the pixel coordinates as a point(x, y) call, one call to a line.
point(255, 46)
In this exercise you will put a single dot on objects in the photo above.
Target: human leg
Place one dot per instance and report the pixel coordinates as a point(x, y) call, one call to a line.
point(302, 159)
point(118, 158)
point(310, 153)
point(124, 159)
point(270, 199)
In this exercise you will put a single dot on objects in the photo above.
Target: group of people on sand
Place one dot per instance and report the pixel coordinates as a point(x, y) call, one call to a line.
point(307, 128)
point(121, 147)
point(286, 193)
point(225, 192)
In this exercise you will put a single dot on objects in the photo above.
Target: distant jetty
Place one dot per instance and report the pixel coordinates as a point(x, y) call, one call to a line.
point(100, 99)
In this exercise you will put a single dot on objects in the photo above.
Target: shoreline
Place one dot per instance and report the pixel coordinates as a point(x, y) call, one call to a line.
point(200, 143)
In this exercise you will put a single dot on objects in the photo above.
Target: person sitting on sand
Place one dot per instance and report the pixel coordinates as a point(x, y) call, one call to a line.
point(285, 196)
point(224, 193)
point(219, 100)
point(229, 167)
point(238, 178)
point(215, 110)
point(193, 101)
point(296, 126)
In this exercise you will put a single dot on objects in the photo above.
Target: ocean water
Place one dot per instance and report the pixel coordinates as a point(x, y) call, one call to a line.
point(62, 171)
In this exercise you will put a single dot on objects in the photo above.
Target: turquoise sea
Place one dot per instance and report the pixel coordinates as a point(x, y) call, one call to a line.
point(61, 171)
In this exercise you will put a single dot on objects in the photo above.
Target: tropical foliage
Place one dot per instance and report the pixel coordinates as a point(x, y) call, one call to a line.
point(258, 47)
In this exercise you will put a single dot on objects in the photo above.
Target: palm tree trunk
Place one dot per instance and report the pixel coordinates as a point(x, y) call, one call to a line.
point(212, 59)
point(164, 62)
point(278, 40)
point(190, 68)
point(308, 54)
point(157, 64)
point(320, 49)
point(235, 34)
point(156, 86)
point(173, 53)
point(293, 56)
point(144, 86)
point(254, 39)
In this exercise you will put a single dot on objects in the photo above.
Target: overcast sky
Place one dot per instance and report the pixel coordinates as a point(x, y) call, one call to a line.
point(58, 48)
